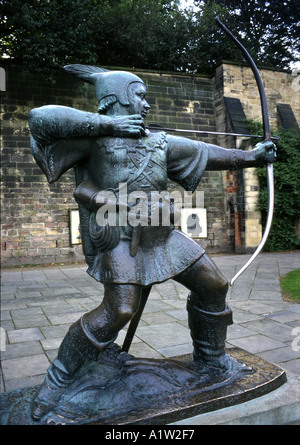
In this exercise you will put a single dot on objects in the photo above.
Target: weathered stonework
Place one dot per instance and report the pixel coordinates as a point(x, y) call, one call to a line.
point(280, 88)
point(35, 223)
point(238, 81)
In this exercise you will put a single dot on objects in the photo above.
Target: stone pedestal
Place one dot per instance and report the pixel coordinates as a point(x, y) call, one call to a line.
point(120, 389)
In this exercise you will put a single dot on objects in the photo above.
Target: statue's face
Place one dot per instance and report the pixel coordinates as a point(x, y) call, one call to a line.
point(137, 99)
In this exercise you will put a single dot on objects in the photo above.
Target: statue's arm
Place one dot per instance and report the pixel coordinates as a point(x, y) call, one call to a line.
point(220, 158)
point(188, 159)
point(52, 122)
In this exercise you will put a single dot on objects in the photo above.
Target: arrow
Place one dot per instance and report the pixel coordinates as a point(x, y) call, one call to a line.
point(181, 130)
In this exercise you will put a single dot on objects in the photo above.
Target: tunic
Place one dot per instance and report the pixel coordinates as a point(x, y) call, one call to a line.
point(144, 165)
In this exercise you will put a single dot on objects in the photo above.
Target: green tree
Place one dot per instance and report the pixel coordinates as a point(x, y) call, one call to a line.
point(47, 34)
point(287, 192)
point(207, 44)
point(150, 34)
point(270, 30)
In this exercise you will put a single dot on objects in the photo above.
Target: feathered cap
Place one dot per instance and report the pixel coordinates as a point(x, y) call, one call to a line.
point(107, 83)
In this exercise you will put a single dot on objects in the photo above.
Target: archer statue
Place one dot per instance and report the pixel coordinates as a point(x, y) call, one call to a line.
point(110, 149)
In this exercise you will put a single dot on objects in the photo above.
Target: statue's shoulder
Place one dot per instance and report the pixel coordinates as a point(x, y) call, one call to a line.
point(157, 139)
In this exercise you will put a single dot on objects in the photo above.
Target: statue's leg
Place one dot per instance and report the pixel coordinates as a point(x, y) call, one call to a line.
point(85, 339)
point(208, 314)
point(120, 303)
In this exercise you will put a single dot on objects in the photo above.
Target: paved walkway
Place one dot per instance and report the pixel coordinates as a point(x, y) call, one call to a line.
point(39, 304)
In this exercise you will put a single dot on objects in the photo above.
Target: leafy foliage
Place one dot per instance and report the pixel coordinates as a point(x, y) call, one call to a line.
point(287, 192)
point(47, 34)
point(269, 30)
point(148, 34)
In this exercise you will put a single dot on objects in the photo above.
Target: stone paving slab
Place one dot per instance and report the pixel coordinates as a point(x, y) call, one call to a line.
point(256, 343)
point(23, 335)
point(38, 305)
point(20, 367)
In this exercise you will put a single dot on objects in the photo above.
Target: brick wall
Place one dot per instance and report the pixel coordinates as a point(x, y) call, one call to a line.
point(281, 88)
point(238, 82)
point(35, 214)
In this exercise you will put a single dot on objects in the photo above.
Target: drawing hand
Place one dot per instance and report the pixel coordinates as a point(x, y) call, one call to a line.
point(128, 126)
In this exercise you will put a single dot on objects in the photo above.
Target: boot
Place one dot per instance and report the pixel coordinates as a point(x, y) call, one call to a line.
point(77, 346)
point(208, 332)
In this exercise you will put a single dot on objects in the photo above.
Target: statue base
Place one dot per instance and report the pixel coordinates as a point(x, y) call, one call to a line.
point(120, 389)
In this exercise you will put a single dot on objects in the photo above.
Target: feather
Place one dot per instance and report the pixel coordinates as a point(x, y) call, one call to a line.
point(84, 72)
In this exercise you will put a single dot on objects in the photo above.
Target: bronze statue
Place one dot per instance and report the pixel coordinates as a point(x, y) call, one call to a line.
point(112, 152)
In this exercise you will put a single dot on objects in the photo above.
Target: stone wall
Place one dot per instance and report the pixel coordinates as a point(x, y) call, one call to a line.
point(35, 214)
point(281, 88)
point(236, 81)
point(35, 226)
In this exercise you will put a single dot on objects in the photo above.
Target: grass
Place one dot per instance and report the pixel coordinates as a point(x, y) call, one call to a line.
point(290, 285)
